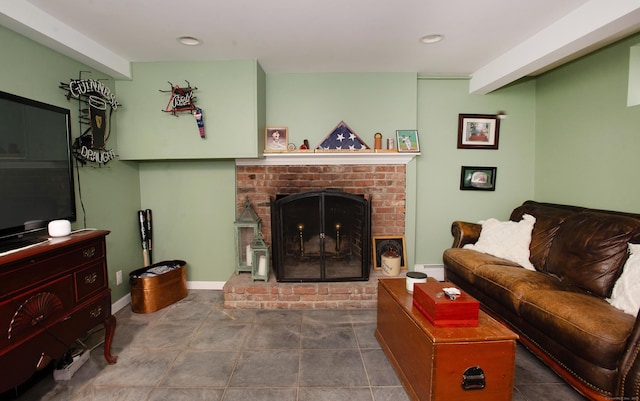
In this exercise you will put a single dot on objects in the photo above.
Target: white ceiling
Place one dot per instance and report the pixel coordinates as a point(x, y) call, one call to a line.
point(495, 42)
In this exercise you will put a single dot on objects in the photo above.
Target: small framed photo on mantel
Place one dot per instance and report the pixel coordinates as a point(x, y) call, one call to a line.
point(407, 140)
point(478, 131)
point(276, 139)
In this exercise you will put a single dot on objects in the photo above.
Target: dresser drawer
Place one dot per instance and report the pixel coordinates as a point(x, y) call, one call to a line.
point(85, 318)
point(20, 362)
point(42, 267)
point(90, 280)
point(33, 311)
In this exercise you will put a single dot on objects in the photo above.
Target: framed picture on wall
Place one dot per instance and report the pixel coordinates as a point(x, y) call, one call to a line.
point(478, 178)
point(276, 139)
point(407, 140)
point(382, 244)
point(478, 131)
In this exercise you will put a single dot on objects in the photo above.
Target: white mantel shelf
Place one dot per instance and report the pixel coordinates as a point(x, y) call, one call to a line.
point(328, 158)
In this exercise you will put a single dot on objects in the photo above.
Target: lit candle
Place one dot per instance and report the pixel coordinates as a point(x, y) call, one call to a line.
point(249, 255)
point(262, 265)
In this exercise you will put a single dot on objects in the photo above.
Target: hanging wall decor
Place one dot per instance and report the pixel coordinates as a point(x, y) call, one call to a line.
point(478, 131)
point(474, 178)
point(197, 113)
point(96, 104)
point(183, 100)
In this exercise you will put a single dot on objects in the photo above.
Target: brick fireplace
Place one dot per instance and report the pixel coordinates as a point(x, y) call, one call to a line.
point(385, 183)
point(381, 177)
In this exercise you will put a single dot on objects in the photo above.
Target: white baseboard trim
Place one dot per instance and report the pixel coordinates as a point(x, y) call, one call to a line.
point(191, 285)
point(205, 285)
point(434, 270)
point(121, 303)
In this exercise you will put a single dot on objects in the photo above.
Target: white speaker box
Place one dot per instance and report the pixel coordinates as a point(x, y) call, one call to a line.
point(59, 228)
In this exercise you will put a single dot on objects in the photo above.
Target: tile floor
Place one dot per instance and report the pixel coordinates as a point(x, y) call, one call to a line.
point(197, 350)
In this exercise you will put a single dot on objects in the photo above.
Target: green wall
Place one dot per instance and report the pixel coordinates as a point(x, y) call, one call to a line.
point(587, 139)
point(311, 105)
point(193, 204)
point(227, 92)
point(110, 194)
point(438, 196)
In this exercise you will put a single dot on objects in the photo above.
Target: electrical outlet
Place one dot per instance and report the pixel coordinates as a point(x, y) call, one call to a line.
point(119, 277)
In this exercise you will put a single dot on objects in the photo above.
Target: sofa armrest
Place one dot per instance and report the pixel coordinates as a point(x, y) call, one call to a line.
point(629, 384)
point(464, 233)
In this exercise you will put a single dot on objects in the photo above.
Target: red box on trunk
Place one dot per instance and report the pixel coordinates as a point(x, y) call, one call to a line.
point(442, 311)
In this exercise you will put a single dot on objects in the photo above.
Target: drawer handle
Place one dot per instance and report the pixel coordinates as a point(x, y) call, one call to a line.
point(89, 252)
point(94, 313)
point(91, 278)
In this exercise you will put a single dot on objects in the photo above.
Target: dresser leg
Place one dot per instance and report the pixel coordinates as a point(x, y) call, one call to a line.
point(109, 330)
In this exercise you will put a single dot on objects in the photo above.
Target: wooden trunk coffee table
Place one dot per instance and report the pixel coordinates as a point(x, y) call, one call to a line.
point(444, 363)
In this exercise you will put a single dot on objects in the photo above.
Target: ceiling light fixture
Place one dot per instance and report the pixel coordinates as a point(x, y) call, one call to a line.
point(189, 40)
point(433, 38)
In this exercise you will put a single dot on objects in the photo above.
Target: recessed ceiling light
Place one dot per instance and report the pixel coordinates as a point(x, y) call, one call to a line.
point(189, 40)
point(434, 38)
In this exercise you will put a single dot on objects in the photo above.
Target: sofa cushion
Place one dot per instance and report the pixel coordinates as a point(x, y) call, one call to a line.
point(548, 221)
point(506, 239)
point(626, 292)
point(464, 262)
point(582, 323)
point(461, 258)
point(509, 284)
point(590, 248)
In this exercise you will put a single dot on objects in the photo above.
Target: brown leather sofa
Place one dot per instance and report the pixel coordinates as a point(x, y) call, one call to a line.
point(560, 309)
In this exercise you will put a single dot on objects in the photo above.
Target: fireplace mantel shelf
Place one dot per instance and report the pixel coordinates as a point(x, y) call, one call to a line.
point(328, 158)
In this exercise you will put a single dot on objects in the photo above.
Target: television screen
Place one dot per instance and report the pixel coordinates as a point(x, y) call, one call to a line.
point(36, 170)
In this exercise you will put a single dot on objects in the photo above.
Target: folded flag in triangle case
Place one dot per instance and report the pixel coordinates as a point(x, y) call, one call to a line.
point(342, 138)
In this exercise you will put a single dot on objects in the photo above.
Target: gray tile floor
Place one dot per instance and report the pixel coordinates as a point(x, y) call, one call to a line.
point(197, 350)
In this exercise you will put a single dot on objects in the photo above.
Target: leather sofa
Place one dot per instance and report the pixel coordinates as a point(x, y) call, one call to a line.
point(560, 309)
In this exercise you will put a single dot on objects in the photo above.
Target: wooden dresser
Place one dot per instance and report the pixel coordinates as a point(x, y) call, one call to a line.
point(50, 295)
point(444, 363)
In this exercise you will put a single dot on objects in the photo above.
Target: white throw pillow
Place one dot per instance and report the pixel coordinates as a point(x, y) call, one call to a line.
point(626, 291)
point(506, 239)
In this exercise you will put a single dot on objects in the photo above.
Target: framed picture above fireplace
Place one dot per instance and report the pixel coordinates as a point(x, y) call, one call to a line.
point(276, 139)
point(407, 141)
point(382, 244)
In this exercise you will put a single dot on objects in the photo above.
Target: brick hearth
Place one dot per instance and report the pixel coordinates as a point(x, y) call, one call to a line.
point(241, 292)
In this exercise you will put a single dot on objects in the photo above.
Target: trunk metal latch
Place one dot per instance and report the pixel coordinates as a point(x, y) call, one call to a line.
point(473, 379)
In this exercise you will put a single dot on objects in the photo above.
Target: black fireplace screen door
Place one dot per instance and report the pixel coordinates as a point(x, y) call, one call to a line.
point(321, 236)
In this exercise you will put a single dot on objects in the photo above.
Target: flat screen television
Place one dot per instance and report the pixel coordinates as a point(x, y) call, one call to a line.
point(36, 169)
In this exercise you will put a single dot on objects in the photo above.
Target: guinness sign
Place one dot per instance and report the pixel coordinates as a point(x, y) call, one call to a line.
point(100, 104)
